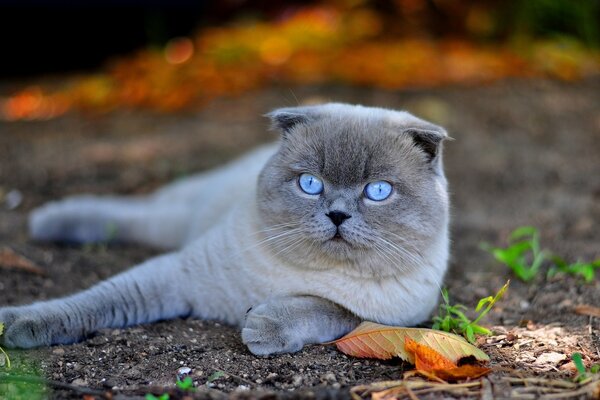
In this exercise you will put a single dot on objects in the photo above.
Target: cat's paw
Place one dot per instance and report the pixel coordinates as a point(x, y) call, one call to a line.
point(266, 332)
point(26, 328)
point(75, 220)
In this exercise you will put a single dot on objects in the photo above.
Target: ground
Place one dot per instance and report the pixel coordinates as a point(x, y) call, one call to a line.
point(525, 153)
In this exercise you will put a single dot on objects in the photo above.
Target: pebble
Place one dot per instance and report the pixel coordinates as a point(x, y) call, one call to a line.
point(329, 377)
point(79, 382)
point(13, 199)
point(183, 372)
point(297, 380)
point(272, 375)
point(59, 351)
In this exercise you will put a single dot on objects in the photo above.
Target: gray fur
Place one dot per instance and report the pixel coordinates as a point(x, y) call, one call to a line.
point(268, 246)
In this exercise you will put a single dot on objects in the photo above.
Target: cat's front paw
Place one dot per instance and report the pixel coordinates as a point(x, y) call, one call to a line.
point(266, 332)
point(25, 328)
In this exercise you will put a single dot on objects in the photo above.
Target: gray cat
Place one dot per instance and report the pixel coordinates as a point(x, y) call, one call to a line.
point(345, 219)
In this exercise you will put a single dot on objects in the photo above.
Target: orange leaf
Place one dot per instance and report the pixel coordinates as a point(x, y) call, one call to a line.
point(373, 340)
point(426, 358)
point(462, 372)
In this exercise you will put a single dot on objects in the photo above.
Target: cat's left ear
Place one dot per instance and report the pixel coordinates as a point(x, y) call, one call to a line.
point(428, 137)
point(286, 119)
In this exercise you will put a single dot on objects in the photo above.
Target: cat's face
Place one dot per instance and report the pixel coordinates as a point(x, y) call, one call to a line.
point(354, 187)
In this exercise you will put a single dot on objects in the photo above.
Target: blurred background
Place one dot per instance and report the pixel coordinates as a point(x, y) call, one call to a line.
point(122, 96)
point(177, 55)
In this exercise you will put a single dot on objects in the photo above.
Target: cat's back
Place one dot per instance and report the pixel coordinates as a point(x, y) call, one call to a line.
point(211, 195)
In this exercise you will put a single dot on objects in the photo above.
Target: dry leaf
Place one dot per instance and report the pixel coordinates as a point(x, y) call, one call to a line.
point(586, 309)
point(427, 359)
point(11, 260)
point(371, 340)
point(463, 372)
point(433, 365)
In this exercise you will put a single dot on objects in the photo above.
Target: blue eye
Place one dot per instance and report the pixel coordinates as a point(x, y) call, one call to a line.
point(310, 184)
point(378, 191)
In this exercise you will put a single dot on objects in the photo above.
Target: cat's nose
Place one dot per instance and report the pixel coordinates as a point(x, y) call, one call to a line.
point(337, 217)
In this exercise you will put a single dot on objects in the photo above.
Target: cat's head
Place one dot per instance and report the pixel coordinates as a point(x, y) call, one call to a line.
point(354, 187)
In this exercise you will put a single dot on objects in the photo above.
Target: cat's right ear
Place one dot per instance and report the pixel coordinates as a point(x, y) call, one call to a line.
point(285, 120)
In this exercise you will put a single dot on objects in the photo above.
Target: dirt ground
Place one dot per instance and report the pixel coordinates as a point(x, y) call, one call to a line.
point(526, 153)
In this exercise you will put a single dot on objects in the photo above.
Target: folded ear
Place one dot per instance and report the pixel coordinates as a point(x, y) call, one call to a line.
point(285, 119)
point(428, 137)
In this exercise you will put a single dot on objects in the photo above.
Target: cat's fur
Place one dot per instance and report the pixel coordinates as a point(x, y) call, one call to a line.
point(258, 252)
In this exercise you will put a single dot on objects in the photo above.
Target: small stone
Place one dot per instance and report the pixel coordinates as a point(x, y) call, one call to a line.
point(271, 376)
point(259, 381)
point(59, 351)
point(13, 199)
point(329, 377)
point(183, 372)
point(79, 382)
point(550, 358)
point(297, 380)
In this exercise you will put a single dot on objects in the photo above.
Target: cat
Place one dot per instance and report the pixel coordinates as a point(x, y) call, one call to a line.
point(344, 219)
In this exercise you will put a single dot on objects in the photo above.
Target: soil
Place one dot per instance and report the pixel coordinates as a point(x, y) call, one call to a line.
point(525, 153)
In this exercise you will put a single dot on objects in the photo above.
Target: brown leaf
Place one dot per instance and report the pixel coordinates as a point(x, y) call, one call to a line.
point(371, 340)
point(11, 260)
point(463, 372)
point(433, 365)
point(426, 358)
point(586, 309)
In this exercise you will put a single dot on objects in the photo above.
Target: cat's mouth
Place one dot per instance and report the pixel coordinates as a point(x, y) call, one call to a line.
point(338, 238)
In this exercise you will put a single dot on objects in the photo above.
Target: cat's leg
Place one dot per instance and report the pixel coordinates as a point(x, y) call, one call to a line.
point(286, 324)
point(93, 219)
point(149, 292)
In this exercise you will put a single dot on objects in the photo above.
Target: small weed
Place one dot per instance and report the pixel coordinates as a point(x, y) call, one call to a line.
point(584, 270)
point(523, 255)
point(452, 318)
point(583, 374)
point(186, 385)
point(214, 376)
point(164, 396)
point(2, 350)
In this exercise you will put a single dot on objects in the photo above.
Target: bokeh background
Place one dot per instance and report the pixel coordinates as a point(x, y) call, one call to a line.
point(178, 55)
point(124, 96)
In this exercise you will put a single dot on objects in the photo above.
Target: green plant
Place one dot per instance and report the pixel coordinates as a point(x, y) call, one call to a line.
point(187, 384)
point(452, 318)
point(523, 255)
point(214, 376)
point(164, 396)
point(587, 271)
point(583, 374)
point(2, 350)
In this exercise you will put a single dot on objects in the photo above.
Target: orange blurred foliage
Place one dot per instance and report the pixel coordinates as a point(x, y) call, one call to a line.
point(313, 45)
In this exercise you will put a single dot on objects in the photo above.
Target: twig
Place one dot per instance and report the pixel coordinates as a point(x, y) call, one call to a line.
point(586, 309)
point(8, 378)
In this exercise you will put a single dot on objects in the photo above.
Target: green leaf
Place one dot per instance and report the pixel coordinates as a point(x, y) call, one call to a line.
point(186, 384)
point(214, 376)
point(469, 333)
point(164, 396)
point(1, 328)
point(578, 361)
point(523, 231)
point(483, 302)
